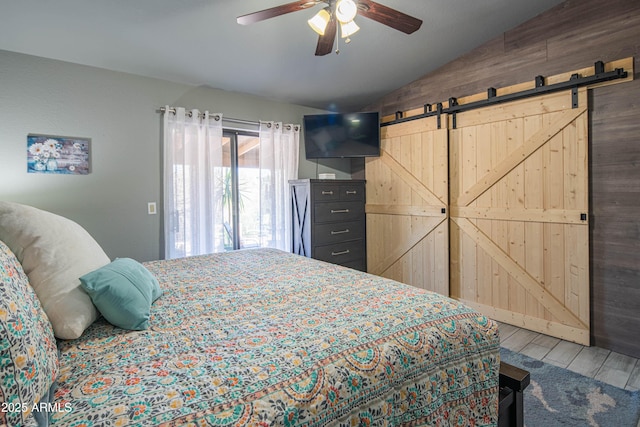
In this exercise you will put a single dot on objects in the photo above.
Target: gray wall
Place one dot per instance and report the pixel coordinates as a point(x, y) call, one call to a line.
point(119, 112)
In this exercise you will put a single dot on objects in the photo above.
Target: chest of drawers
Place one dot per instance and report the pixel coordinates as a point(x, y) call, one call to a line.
point(328, 221)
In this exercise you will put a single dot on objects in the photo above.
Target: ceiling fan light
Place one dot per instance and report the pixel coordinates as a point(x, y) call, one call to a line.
point(348, 28)
point(346, 10)
point(319, 21)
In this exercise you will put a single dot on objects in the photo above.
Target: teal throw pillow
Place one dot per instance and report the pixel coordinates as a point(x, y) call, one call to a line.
point(123, 291)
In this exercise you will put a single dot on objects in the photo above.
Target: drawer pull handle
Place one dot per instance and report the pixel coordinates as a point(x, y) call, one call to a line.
point(327, 193)
point(340, 253)
point(351, 192)
point(339, 211)
point(340, 231)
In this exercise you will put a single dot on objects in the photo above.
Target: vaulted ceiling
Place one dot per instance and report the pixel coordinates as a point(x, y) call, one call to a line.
point(199, 42)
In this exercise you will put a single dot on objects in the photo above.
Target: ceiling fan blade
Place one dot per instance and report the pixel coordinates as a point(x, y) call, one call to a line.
point(276, 11)
point(388, 16)
point(325, 42)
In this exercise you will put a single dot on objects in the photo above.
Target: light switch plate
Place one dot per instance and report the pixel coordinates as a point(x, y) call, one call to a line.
point(151, 208)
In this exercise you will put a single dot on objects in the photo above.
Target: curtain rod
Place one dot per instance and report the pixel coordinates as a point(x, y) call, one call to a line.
point(239, 121)
point(224, 119)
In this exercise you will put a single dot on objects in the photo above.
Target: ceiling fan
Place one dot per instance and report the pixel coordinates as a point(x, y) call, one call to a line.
point(338, 12)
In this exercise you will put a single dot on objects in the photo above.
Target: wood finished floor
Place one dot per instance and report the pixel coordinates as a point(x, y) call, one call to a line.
point(604, 365)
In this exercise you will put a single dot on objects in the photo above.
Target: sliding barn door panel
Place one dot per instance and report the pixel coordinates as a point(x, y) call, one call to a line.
point(407, 195)
point(519, 208)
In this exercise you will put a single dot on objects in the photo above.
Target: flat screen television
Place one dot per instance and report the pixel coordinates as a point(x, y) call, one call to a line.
point(342, 135)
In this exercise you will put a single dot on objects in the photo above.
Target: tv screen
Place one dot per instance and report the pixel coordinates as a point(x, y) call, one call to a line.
point(342, 135)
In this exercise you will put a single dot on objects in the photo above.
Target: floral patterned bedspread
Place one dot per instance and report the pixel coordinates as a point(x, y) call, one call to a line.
point(266, 338)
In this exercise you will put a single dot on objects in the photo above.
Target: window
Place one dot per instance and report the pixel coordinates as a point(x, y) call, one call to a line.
point(241, 189)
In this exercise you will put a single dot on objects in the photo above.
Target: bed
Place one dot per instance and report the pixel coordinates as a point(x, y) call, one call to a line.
point(263, 338)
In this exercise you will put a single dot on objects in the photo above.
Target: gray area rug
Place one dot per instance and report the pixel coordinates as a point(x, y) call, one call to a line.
point(559, 397)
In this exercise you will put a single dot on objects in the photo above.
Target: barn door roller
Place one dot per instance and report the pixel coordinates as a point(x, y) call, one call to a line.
point(540, 88)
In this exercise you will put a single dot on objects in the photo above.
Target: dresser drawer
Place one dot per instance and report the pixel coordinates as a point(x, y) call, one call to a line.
point(352, 192)
point(356, 265)
point(338, 211)
point(326, 192)
point(325, 234)
point(340, 253)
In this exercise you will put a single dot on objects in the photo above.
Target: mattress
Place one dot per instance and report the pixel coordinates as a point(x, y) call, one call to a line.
point(267, 338)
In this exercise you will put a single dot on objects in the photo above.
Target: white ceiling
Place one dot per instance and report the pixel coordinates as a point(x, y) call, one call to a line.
point(199, 42)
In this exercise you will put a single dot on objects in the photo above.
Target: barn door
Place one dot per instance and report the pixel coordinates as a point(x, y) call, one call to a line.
point(407, 193)
point(519, 209)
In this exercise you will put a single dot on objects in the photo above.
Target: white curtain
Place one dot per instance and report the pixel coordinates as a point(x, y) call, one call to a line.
point(192, 183)
point(279, 146)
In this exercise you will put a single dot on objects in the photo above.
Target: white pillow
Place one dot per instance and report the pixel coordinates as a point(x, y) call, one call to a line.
point(54, 252)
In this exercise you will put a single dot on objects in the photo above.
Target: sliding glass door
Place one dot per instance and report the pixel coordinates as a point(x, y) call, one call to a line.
point(241, 189)
point(226, 189)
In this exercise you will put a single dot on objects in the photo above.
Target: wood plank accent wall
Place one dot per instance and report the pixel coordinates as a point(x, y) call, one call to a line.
point(575, 33)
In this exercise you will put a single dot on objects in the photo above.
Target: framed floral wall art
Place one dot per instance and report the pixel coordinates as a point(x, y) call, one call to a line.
point(58, 154)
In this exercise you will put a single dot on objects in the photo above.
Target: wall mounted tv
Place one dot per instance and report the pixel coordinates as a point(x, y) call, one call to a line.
point(342, 135)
